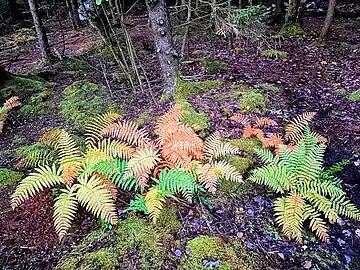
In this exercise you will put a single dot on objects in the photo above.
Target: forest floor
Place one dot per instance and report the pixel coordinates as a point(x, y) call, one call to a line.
point(311, 78)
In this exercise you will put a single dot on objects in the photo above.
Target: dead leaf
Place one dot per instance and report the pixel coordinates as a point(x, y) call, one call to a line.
point(307, 264)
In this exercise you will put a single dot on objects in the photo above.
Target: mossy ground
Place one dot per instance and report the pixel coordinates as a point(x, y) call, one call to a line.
point(248, 145)
point(34, 94)
point(252, 101)
point(198, 121)
point(9, 177)
point(73, 64)
point(355, 96)
point(84, 100)
point(144, 118)
point(274, 54)
point(212, 66)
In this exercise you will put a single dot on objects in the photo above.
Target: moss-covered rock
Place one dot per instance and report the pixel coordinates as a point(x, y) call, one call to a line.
point(355, 96)
point(34, 94)
point(167, 222)
point(103, 259)
point(185, 89)
point(196, 120)
point(84, 100)
point(248, 145)
point(274, 54)
point(252, 102)
point(205, 251)
point(9, 177)
point(213, 66)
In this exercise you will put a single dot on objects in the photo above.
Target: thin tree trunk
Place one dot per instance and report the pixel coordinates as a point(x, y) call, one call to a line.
point(279, 8)
point(40, 32)
point(74, 12)
point(168, 57)
point(329, 16)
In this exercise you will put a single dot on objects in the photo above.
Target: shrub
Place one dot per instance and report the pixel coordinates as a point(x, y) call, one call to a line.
point(9, 177)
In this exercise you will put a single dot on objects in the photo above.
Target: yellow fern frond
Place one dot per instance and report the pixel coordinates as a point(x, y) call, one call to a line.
point(226, 171)
point(44, 177)
point(65, 207)
point(264, 122)
point(241, 118)
point(93, 194)
point(51, 137)
point(214, 148)
point(114, 148)
point(97, 124)
point(154, 203)
point(143, 160)
point(317, 224)
point(294, 131)
point(207, 177)
point(127, 132)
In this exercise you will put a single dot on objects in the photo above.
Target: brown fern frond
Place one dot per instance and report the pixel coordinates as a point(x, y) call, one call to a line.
point(3, 116)
point(50, 137)
point(12, 102)
point(108, 183)
point(162, 165)
point(320, 138)
point(241, 118)
point(264, 122)
point(143, 160)
point(127, 132)
point(177, 156)
point(142, 179)
point(280, 148)
point(273, 141)
point(250, 131)
point(207, 177)
point(294, 130)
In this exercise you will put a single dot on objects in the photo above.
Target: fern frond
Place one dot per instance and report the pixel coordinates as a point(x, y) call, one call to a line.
point(44, 177)
point(93, 194)
point(296, 127)
point(138, 205)
point(317, 224)
point(289, 215)
point(250, 131)
point(97, 124)
point(91, 159)
point(214, 148)
point(142, 179)
point(65, 207)
point(207, 177)
point(51, 137)
point(344, 207)
point(154, 201)
point(173, 115)
point(264, 122)
point(143, 160)
point(241, 118)
point(114, 149)
point(40, 157)
point(190, 143)
point(320, 138)
point(12, 102)
point(127, 132)
point(324, 205)
point(266, 156)
point(108, 183)
point(273, 141)
point(226, 171)
point(176, 156)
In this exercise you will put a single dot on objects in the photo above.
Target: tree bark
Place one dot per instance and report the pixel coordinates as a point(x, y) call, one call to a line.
point(329, 16)
point(167, 54)
point(40, 32)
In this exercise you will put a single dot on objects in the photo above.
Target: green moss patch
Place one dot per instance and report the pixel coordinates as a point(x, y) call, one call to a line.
point(185, 89)
point(252, 102)
point(240, 163)
point(248, 145)
point(213, 66)
point(145, 117)
point(205, 250)
point(355, 96)
point(84, 100)
point(196, 120)
point(167, 222)
point(274, 54)
point(9, 177)
point(34, 94)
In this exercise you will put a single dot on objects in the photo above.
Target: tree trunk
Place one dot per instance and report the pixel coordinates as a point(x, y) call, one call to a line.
point(295, 12)
point(279, 8)
point(40, 32)
point(329, 15)
point(75, 15)
point(167, 54)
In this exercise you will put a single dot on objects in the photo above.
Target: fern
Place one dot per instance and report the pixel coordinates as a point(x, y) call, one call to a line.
point(264, 122)
point(9, 104)
point(226, 171)
point(154, 201)
point(214, 148)
point(114, 149)
point(207, 177)
point(51, 137)
point(143, 160)
point(138, 205)
point(296, 127)
point(38, 157)
point(241, 118)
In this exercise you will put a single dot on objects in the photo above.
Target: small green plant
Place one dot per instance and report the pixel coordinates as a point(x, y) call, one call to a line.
point(355, 96)
point(213, 66)
point(294, 30)
point(252, 101)
point(274, 54)
point(9, 177)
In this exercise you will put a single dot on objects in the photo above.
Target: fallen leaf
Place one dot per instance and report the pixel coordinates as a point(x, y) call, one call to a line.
point(307, 264)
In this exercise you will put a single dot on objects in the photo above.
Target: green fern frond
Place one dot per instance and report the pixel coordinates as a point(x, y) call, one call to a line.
point(44, 177)
point(324, 205)
point(154, 201)
point(36, 158)
point(266, 156)
point(138, 205)
point(65, 207)
point(96, 125)
point(317, 224)
point(93, 194)
point(344, 207)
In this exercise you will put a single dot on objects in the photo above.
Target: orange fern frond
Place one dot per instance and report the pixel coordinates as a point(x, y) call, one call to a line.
point(171, 116)
point(12, 102)
point(296, 127)
point(70, 171)
point(108, 183)
point(50, 137)
point(249, 131)
point(280, 148)
point(264, 122)
point(177, 156)
point(241, 118)
point(273, 141)
point(127, 132)
point(142, 179)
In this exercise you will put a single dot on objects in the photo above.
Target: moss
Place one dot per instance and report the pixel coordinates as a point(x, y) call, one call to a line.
point(212, 249)
point(9, 177)
point(213, 66)
point(167, 222)
point(240, 189)
point(248, 145)
point(103, 259)
point(237, 90)
point(240, 163)
point(73, 64)
point(340, 92)
point(274, 54)
point(248, 259)
point(196, 120)
point(252, 102)
point(35, 94)
point(355, 96)
point(320, 42)
point(188, 88)
point(84, 100)
point(238, 51)
point(144, 118)
point(294, 30)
